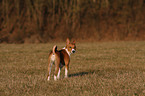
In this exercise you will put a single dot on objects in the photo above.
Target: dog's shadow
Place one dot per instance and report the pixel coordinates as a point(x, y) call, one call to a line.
point(81, 74)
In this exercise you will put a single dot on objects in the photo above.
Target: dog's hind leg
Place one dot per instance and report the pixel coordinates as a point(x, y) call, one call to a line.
point(49, 70)
point(57, 69)
point(58, 75)
point(56, 72)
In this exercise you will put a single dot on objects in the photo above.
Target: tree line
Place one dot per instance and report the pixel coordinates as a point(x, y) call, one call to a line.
point(36, 21)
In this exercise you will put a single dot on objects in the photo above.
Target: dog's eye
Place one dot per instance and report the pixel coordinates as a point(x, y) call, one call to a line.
point(69, 47)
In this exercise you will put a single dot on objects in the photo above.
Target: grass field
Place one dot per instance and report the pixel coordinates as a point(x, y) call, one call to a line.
point(96, 69)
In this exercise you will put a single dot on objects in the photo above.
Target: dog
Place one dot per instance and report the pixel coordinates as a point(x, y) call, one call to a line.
point(60, 58)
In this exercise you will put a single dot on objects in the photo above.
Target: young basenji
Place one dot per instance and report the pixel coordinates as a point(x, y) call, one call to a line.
point(60, 58)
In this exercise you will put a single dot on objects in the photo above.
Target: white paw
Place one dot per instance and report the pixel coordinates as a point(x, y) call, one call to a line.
point(55, 78)
point(48, 78)
point(66, 76)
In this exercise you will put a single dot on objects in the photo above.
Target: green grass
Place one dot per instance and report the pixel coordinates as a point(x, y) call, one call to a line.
point(96, 69)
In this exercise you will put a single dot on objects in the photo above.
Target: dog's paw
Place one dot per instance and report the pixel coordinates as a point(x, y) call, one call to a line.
point(55, 78)
point(48, 78)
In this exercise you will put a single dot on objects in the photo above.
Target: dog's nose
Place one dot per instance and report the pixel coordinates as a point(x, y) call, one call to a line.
point(73, 50)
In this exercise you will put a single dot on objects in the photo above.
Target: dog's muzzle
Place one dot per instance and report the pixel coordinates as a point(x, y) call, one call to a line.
point(73, 50)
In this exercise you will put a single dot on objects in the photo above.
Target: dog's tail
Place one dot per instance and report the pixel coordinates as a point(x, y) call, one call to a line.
point(54, 49)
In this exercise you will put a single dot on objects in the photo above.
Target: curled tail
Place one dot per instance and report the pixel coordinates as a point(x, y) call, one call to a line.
point(54, 49)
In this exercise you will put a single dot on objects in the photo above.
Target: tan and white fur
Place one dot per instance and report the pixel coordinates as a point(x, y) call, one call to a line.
point(60, 58)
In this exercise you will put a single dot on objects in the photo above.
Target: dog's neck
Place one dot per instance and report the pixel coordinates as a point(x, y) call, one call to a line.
point(67, 51)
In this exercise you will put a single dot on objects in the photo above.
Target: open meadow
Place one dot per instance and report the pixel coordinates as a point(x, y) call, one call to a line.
point(96, 69)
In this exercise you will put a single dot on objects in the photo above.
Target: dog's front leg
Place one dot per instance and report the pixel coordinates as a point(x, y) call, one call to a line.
point(66, 71)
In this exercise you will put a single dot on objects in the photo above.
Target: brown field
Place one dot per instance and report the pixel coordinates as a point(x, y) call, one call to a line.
point(96, 69)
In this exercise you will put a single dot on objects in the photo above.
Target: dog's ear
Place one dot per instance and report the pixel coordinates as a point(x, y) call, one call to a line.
point(74, 42)
point(67, 41)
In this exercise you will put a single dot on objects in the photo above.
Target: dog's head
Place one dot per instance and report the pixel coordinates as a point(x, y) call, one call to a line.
point(71, 47)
